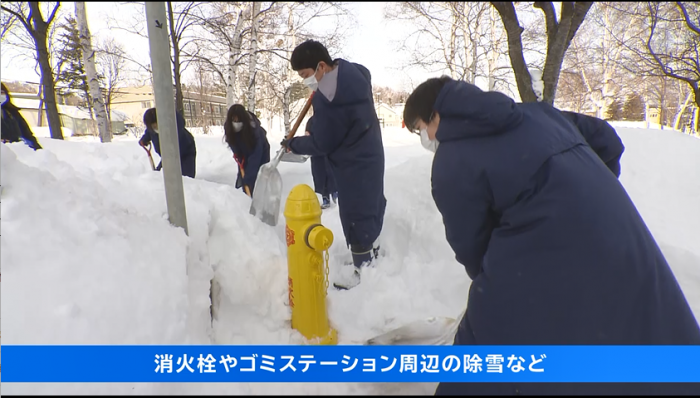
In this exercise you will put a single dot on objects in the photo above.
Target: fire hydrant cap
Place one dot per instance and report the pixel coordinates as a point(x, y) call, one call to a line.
point(320, 238)
point(302, 203)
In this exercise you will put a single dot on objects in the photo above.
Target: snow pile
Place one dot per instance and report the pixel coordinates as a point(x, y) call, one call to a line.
point(537, 83)
point(94, 260)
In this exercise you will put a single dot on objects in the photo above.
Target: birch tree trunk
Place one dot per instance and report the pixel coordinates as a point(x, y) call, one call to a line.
point(287, 99)
point(677, 121)
point(493, 54)
point(253, 56)
point(234, 55)
point(97, 102)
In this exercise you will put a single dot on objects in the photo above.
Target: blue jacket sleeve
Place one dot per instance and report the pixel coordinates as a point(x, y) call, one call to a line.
point(329, 131)
point(145, 138)
point(309, 124)
point(601, 137)
point(464, 201)
point(251, 166)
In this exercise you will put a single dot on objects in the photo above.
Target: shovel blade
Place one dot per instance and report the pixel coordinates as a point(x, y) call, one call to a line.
point(267, 195)
point(294, 158)
point(431, 331)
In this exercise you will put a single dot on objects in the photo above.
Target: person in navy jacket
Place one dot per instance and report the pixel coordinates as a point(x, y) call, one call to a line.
point(188, 149)
point(248, 142)
point(346, 130)
point(556, 250)
point(14, 127)
point(324, 181)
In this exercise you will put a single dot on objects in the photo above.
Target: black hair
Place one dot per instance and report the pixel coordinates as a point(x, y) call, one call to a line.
point(308, 55)
point(420, 104)
point(247, 134)
point(8, 104)
point(149, 117)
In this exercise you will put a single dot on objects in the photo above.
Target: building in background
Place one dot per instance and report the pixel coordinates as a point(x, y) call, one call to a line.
point(200, 110)
point(387, 115)
point(74, 120)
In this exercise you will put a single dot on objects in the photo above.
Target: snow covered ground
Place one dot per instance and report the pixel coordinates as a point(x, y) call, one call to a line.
point(89, 257)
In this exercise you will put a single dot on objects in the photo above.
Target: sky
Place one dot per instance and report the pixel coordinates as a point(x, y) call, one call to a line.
point(369, 42)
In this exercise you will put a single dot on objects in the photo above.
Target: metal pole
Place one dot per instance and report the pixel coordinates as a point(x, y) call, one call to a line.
point(165, 109)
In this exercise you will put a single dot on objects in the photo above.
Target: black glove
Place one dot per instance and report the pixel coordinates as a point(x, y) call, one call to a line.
point(286, 143)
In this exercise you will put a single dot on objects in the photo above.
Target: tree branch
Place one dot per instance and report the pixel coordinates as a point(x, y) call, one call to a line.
point(53, 13)
point(688, 22)
point(20, 17)
point(550, 17)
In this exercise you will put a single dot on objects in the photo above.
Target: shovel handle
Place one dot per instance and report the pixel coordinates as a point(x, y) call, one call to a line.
point(150, 158)
point(240, 167)
point(294, 129)
point(276, 160)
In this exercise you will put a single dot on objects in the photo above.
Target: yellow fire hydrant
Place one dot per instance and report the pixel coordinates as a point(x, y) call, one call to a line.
point(307, 241)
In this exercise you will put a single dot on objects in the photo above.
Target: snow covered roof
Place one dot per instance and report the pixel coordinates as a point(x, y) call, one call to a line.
point(119, 116)
point(68, 110)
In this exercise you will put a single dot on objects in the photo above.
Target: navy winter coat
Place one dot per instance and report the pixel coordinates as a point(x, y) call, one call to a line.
point(349, 134)
point(16, 129)
point(253, 159)
point(324, 181)
point(556, 250)
point(188, 149)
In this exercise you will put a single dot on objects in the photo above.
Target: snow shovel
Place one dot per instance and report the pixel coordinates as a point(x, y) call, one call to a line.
point(430, 331)
point(267, 193)
point(294, 158)
point(150, 158)
point(240, 167)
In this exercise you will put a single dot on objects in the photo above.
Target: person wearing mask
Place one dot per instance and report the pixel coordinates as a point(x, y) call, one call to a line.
point(247, 139)
point(346, 130)
point(556, 250)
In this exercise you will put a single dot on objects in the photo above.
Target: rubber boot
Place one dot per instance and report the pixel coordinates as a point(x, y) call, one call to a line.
point(350, 275)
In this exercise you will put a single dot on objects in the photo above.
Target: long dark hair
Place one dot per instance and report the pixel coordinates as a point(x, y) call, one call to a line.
point(8, 105)
point(243, 140)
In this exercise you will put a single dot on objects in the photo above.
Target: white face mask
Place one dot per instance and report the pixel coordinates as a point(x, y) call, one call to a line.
point(311, 81)
point(3, 98)
point(237, 126)
point(427, 143)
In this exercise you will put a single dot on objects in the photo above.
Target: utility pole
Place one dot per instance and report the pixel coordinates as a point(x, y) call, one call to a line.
point(165, 108)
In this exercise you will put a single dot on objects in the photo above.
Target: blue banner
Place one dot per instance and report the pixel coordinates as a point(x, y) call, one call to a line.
point(35, 364)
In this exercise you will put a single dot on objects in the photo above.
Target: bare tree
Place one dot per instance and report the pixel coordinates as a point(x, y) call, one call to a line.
point(683, 104)
point(559, 36)
point(667, 49)
point(97, 104)
point(682, 61)
point(572, 93)
point(181, 22)
point(222, 49)
point(448, 35)
point(111, 63)
point(7, 22)
point(203, 85)
point(598, 58)
point(38, 28)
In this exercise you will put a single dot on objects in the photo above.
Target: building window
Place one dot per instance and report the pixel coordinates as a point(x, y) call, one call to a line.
point(145, 104)
point(187, 106)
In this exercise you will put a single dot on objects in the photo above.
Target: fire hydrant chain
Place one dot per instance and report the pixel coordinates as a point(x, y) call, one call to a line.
point(327, 272)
